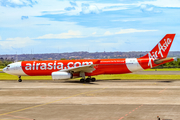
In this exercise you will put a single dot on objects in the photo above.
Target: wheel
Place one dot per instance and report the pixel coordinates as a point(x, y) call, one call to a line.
point(88, 80)
point(20, 80)
point(82, 80)
point(93, 79)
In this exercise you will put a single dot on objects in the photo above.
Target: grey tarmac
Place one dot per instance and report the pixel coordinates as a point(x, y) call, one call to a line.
point(101, 100)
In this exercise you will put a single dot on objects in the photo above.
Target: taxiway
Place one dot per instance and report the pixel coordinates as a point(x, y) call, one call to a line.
point(102, 100)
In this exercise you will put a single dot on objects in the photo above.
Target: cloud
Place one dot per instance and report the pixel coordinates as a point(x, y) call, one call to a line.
point(0, 38)
point(115, 8)
point(94, 33)
point(85, 7)
point(108, 33)
point(146, 8)
point(124, 31)
point(17, 3)
point(78, 34)
point(73, 6)
point(17, 42)
point(24, 17)
point(69, 8)
point(73, 3)
point(89, 9)
point(163, 3)
point(69, 34)
point(149, 8)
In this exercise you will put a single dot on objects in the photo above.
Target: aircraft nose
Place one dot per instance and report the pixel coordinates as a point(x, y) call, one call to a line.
point(4, 70)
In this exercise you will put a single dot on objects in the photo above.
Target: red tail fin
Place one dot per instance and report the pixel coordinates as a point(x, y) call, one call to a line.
point(161, 50)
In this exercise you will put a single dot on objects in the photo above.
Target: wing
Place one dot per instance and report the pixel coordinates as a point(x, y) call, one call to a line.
point(85, 68)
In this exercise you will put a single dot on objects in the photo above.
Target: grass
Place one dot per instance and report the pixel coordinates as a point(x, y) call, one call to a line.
point(138, 77)
point(4, 76)
point(164, 69)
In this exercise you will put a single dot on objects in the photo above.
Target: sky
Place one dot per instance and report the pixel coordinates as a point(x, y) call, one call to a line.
point(58, 26)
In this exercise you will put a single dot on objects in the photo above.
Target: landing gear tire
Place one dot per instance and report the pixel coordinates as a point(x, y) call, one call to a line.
point(93, 79)
point(88, 80)
point(20, 80)
point(82, 80)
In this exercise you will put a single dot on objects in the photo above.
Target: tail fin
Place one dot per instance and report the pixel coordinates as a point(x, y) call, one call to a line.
point(161, 50)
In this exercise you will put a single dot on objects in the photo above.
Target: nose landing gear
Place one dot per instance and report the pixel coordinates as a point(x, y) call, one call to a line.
point(20, 80)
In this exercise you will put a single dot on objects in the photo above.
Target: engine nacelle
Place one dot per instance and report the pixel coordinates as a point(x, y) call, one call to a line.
point(61, 75)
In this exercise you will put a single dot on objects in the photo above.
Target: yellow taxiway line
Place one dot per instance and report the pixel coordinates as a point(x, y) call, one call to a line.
point(50, 102)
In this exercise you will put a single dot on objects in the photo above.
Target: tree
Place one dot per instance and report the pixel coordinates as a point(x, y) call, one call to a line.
point(63, 58)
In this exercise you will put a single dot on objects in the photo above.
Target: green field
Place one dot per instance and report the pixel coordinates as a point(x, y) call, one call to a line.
point(138, 77)
point(4, 76)
point(164, 69)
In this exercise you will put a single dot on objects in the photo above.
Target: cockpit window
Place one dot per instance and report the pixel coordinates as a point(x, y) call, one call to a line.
point(8, 66)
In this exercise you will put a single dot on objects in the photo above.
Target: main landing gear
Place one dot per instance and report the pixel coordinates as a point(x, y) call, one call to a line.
point(20, 80)
point(87, 80)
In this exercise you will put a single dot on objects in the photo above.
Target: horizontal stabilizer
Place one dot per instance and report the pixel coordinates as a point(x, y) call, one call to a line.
point(159, 61)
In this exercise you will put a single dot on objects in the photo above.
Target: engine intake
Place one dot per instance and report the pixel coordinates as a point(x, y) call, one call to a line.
point(61, 75)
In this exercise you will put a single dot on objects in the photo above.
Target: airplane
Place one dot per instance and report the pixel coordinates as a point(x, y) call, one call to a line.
point(68, 69)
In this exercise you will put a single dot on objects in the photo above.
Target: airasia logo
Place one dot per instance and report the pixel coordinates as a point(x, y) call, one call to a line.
point(54, 65)
point(164, 46)
point(161, 49)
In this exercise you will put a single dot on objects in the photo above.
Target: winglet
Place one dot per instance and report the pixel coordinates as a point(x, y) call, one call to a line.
point(161, 50)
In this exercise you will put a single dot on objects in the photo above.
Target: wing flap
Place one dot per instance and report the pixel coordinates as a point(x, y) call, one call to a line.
point(85, 68)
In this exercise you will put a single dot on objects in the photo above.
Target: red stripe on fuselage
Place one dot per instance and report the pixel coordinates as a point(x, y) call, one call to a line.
point(110, 66)
point(106, 66)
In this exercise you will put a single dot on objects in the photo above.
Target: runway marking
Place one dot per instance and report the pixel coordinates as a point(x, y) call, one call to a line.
point(11, 119)
point(139, 106)
point(18, 117)
point(162, 90)
point(130, 112)
point(90, 95)
point(50, 102)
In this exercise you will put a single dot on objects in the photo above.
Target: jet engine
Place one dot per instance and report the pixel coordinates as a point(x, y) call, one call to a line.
point(61, 75)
